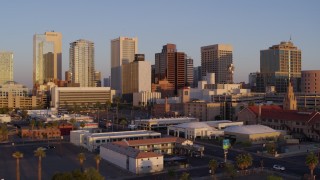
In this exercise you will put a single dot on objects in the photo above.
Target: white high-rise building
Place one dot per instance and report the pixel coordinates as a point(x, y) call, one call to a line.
point(81, 64)
point(6, 67)
point(123, 50)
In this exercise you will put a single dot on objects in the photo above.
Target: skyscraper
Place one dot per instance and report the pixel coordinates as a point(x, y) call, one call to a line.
point(81, 64)
point(6, 67)
point(97, 79)
point(123, 50)
point(279, 65)
point(171, 65)
point(218, 59)
point(47, 57)
point(196, 75)
point(189, 71)
point(136, 76)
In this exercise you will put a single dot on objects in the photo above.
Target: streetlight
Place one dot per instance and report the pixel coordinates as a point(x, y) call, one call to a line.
point(61, 139)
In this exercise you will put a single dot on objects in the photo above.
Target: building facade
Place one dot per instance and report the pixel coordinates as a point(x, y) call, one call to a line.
point(97, 79)
point(196, 76)
point(218, 59)
point(136, 76)
point(310, 82)
point(202, 110)
point(81, 63)
point(123, 50)
point(6, 67)
point(279, 65)
point(80, 96)
point(189, 72)
point(47, 57)
point(145, 98)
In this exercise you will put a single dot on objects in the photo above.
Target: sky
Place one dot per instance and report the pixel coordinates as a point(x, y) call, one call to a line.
point(248, 25)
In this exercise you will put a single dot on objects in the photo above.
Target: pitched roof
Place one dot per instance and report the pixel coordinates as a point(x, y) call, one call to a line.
point(150, 141)
point(249, 129)
point(276, 112)
point(129, 151)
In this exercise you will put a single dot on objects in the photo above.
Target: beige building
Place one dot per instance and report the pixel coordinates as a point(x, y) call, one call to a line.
point(82, 63)
point(202, 110)
point(131, 159)
point(47, 57)
point(6, 67)
point(123, 50)
point(81, 96)
point(310, 81)
point(218, 59)
point(145, 98)
point(136, 76)
point(251, 133)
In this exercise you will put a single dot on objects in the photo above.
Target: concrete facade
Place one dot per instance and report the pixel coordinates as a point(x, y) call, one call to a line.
point(6, 67)
point(202, 110)
point(144, 98)
point(310, 81)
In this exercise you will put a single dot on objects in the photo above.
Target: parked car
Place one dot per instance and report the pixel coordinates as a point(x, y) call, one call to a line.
point(279, 167)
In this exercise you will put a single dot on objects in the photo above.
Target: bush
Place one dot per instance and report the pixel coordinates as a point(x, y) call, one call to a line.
point(274, 177)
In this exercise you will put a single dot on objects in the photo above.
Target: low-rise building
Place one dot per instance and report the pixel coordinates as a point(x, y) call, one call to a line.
point(194, 130)
point(160, 123)
point(93, 141)
point(132, 159)
point(41, 133)
point(202, 110)
point(80, 96)
point(5, 118)
point(145, 97)
point(251, 133)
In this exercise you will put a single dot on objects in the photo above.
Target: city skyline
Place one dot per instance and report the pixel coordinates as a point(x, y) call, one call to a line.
point(248, 26)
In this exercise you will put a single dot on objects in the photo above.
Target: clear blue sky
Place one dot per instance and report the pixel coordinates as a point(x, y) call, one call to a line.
point(248, 25)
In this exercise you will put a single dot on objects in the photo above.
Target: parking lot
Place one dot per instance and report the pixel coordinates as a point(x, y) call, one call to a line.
point(62, 158)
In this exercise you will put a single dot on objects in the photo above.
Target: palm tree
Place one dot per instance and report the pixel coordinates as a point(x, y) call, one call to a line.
point(98, 159)
point(312, 162)
point(123, 122)
point(213, 164)
point(81, 158)
point(4, 132)
point(185, 176)
point(40, 154)
point(18, 155)
point(243, 161)
point(82, 124)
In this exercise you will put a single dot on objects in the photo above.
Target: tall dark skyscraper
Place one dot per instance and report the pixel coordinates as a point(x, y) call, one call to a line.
point(278, 65)
point(171, 65)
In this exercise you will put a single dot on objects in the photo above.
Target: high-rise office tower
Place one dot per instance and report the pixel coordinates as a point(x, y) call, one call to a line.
point(196, 75)
point(6, 67)
point(136, 76)
point(218, 59)
point(67, 76)
point(279, 65)
point(81, 64)
point(189, 71)
point(47, 57)
point(97, 79)
point(123, 50)
point(106, 82)
point(171, 65)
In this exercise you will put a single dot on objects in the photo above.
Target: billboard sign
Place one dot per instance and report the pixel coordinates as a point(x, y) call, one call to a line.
point(226, 144)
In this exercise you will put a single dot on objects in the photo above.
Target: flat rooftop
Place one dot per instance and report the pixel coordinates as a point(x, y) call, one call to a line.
point(125, 133)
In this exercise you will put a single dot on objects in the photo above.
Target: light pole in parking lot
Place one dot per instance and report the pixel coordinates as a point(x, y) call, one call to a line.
point(61, 138)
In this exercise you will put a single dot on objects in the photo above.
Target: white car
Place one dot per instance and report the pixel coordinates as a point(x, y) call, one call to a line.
point(278, 167)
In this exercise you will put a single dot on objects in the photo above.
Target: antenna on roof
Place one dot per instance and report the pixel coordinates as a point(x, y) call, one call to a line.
point(290, 38)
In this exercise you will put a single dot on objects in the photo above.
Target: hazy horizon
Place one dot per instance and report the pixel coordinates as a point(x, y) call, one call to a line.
point(249, 26)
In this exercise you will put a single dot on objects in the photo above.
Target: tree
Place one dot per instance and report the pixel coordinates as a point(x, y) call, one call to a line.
point(40, 154)
point(82, 124)
point(4, 132)
point(230, 170)
point(271, 148)
point(81, 158)
point(213, 164)
point(185, 176)
point(123, 122)
point(32, 124)
point(24, 114)
point(90, 173)
point(97, 158)
point(312, 162)
point(73, 122)
point(18, 155)
point(243, 161)
point(171, 174)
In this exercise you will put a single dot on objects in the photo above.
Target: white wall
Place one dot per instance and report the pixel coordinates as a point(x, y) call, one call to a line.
point(113, 157)
point(76, 137)
point(148, 165)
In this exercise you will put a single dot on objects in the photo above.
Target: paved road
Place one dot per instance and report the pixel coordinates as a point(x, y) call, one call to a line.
point(55, 161)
